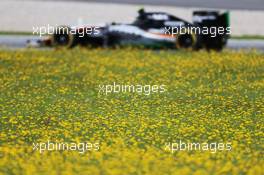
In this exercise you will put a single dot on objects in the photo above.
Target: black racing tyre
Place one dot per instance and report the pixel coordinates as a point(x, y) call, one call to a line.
point(63, 38)
point(186, 40)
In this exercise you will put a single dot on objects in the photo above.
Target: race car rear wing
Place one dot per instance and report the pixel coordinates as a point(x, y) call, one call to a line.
point(213, 19)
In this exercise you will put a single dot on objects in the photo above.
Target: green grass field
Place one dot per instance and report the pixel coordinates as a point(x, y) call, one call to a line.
point(52, 95)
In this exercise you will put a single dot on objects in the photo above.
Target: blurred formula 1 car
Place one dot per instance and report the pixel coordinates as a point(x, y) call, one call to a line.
point(150, 30)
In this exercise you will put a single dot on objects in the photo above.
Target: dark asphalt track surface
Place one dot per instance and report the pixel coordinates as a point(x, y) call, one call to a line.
point(20, 41)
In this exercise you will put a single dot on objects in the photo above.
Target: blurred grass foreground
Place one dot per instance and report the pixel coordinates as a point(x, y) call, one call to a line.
point(49, 95)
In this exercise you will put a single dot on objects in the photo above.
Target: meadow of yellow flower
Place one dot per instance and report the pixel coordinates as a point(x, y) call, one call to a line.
point(52, 95)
